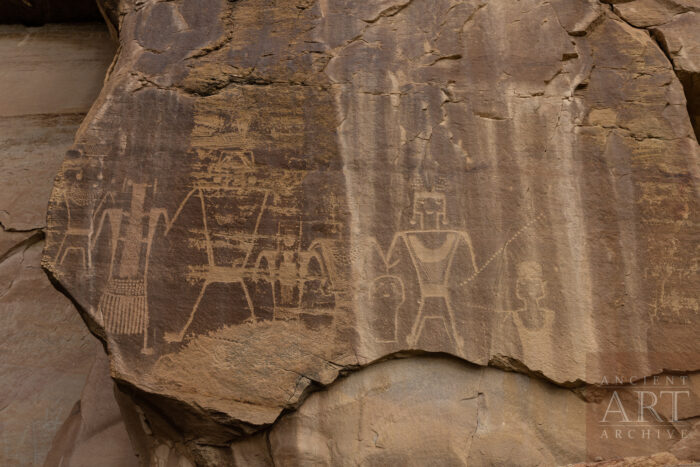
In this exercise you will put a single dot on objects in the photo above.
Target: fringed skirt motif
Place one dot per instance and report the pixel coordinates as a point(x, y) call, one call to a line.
point(124, 306)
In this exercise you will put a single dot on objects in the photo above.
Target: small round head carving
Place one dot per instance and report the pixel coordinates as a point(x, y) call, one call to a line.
point(529, 285)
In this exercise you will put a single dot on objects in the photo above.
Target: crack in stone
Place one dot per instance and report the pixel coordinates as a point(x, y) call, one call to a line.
point(36, 237)
point(390, 11)
point(690, 82)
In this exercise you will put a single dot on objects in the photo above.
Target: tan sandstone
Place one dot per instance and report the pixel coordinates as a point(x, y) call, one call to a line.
point(267, 197)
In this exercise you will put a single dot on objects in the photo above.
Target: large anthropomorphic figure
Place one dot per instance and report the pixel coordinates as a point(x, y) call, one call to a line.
point(124, 303)
point(430, 253)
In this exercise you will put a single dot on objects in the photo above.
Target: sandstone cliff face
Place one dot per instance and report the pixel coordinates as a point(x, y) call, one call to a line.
point(267, 196)
point(48, 80)
point(674, 25)
point(94, 433)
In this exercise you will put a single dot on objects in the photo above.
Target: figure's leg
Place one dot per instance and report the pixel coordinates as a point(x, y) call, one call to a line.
point(177, 337)
point(60, 248)
point(146, 350)
point(273, 284)
point(65, 252)
point(248, 300)
point(453, 325)
point(417, 327)
point(69, 249)
point(300, 286)
point(89, 253)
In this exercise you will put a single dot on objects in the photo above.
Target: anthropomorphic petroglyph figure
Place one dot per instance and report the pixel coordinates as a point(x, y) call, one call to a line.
point(318, 277)
point(124, 302)
point(432, 249)
point(296, 275)
point(532, 321)
point(83, 196)
point(213, 273)
point(287, 264)
point(386, 294)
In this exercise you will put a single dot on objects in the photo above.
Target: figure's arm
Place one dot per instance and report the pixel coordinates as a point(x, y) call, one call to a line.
point(270, 258)
point(392, 250)
point(169, 224)
point(256, 267)
point(100, 210)
point(155, 215)
point(316, 250)
point(465, 237)
point(65, 201)
point(259, 260)
point(93, 241)
point(153, 218)
point(112, 212)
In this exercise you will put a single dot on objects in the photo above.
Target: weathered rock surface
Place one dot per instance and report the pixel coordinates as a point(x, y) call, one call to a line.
point(432, 411)
point(267, 195)
point(45, 356)
point(663, 458)
point(456, 415)
point(94, 433)
point(675, 25)
point(49, 77)
point(646, 13)
point(685, 55)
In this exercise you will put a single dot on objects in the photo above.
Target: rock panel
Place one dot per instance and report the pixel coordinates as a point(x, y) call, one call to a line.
point(266, 196)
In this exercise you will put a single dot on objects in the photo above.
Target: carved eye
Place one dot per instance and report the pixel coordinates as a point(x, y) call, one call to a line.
point(79, 175)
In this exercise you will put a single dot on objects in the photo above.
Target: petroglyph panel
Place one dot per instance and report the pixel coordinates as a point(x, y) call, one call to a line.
point(553, 211)
point(250, 235)
point(325, 185)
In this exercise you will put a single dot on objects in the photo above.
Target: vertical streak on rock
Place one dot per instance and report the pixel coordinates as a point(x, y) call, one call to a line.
point(349, 142)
